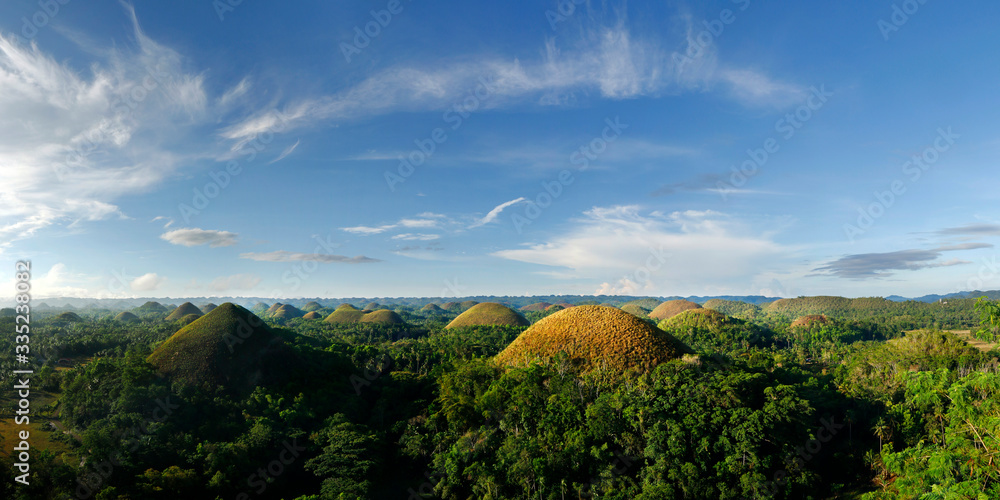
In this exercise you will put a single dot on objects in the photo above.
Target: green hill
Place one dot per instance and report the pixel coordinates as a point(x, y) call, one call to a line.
point(183, 310)
point(126, 317)
point(68, 317)
point(537, 306)
point(594, 336)
point(151, 308)
point(372, 306)
point(431, 308)
point(311, 306)
point(635, 310)
point(734, 308)
point(345, 313)
point(383, 317)
point(273, 309)
point(287, 311)
point(229, 347)
point(648, 304)
point(207, 308)
point(672, 308)
point(712, 330)
point(489, 313)
point(189, 318)
point(312, 315)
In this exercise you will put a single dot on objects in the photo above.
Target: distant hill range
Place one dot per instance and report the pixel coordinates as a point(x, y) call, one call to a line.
point(514, 302)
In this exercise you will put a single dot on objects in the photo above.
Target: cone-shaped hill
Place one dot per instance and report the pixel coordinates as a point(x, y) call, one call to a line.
point(809, 320)
point(706, 328)
point(594, 336)
point(345, 313)
point(648, 303)
point(207, 308)
point(311, 306)
point(372, 306)
point(229, 346)
point(672, 308)
point(537, 306)
point(150, 307)
point(126, 317)
point(489, 313)
point(183, 310)
point(68, 317)
point(635, 310)
point(287, 311)
point(312, 315)
point(274, 308)
point(466, 305)
point(431, 308)
point(451, 306)
point(383, 317)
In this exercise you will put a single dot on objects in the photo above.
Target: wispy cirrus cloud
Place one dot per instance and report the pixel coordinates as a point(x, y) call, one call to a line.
point(607, 60)
point(493, 214)
point(419, 222)
point(286, 256)
point(82, 140)
point(191, 237)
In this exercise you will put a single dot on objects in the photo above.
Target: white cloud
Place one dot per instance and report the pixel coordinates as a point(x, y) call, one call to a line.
point(493, 214)
point(147, 282)
point(627, 251)
point(83, 139)
point(190, 237)
point(416, 237)
point(284, 154)
point(609, 61)
point(420, 222)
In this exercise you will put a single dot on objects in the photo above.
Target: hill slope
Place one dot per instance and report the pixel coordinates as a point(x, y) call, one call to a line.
point(229, 346)
point(594, 336)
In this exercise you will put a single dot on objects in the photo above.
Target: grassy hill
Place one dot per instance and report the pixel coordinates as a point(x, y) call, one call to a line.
point(594, 336)
point(229, 347)
point(672, 308)
point(287, 311)
point(126, 317)
point(383, 317)
point(207, 308)
point(345, 313)
point(489, 313)
point(183, 310)
point(707, 329)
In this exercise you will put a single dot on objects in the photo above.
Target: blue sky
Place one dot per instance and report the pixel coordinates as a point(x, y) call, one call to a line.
point(520, 148)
